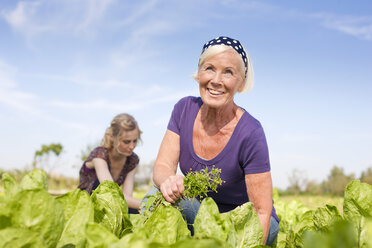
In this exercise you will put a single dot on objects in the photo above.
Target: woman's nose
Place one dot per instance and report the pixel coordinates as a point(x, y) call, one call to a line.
point(132, 145)
point(217, 78)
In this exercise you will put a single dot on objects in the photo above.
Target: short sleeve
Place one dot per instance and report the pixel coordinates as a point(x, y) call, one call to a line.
point(98, 152)
point(175, 120)
point(255, 153)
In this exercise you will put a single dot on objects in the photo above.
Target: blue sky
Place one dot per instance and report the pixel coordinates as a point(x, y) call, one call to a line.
point(67, 67)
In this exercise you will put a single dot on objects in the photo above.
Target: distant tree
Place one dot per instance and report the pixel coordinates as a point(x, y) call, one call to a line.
point(313, 188)
point(1, 174)
point(324, 187)
point(337, 181)
point(297, 181)
point(41, 157)
point(366, 176)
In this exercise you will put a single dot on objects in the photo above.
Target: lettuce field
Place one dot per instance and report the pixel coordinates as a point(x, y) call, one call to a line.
point(31, 217)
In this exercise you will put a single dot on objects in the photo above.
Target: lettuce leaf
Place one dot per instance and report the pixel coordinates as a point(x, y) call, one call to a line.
point(78, 211)
point(37, 211)
point(325, 216)
point(209, 223)
point(341, 235)
point(365, 236)
point(137, 220)
point(357, 201)
point(247, 225)
point(98, 236)
point(166, 225)
point(110, 208)
point(137, 241)
point(35, 179)
point(199, 243)
point(19, 237)
point(10, 185)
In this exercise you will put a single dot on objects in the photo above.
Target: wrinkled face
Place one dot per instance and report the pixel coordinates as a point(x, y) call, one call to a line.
point(126, 142)
point(220, 77)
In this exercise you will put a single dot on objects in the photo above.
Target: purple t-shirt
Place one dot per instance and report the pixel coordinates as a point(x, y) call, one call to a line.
point(245, 153)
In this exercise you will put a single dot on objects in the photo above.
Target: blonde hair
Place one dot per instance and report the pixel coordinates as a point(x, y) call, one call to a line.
point(217, 49)
point(121, 123)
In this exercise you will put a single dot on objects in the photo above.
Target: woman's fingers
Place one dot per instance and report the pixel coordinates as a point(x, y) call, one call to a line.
point(172, 188)
point(180, 186)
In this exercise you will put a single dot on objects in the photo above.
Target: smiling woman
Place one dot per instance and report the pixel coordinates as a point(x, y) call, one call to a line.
point(211, 130)
point(114, 160)
point(223, 67)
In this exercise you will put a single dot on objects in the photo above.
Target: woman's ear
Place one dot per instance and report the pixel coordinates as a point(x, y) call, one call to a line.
point(196, 76)
point(241, 86)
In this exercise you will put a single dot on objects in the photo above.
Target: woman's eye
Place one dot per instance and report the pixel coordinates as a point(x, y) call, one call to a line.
point(208, 68)
point(127, 142)
point(229, 72)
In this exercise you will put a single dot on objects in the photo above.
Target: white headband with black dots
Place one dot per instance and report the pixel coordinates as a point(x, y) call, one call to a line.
point(228, 42)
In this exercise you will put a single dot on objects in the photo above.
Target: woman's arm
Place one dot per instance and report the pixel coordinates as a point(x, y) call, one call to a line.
point(127, 189)
point(260, 191)
point(165, 168)
point(102, 170)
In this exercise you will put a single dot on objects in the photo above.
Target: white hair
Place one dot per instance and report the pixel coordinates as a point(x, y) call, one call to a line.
point(217, 49)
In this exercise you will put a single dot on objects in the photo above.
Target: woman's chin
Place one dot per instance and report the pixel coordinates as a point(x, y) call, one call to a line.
point(121, 153)
point(214, 101)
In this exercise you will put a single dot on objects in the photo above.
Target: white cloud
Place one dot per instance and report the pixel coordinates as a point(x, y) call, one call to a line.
point(101, 104)
point(82, 79)
point(88, 17)
point(155, 27)
point(95, 11)
point(254, 6)
point(6, 76)
point(44, 16)
point(10, 95)
point(141, 99)
point(142, 10)
point(22, 19)
point(82, 128)
point(358, 26)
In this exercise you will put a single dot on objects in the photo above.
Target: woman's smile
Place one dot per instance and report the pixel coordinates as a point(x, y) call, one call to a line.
point(215, 92)
point(220, 77)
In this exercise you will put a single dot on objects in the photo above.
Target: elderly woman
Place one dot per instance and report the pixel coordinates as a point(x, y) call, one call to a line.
point(212, 130)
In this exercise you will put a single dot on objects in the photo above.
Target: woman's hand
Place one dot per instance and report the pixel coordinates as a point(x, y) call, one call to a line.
point(172, 188)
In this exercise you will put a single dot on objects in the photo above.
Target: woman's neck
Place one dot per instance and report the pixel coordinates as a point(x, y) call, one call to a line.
point(116, 158)
point(217, 119)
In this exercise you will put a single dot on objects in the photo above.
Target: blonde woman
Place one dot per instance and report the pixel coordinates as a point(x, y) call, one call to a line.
point(211, 130)
point(114, 160)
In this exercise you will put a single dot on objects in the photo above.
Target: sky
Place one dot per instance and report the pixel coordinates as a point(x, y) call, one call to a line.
point(68, 67)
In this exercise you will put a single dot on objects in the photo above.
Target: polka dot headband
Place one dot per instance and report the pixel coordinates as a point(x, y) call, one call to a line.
point(228, 42)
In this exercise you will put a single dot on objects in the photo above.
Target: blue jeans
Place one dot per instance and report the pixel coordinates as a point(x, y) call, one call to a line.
point(190, 209)
point(273, 231)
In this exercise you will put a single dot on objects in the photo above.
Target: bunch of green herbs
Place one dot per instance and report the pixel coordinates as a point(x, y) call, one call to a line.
point(199, 183)
point(196, 183)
